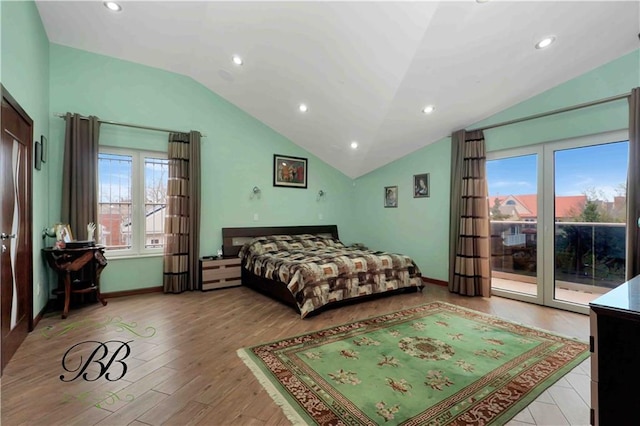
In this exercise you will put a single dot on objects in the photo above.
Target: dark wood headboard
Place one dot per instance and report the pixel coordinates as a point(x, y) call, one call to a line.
point(234, 238)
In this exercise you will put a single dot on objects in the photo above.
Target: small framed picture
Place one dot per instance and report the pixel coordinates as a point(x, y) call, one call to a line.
point(290, 172)
point(63, 233)
point(421, 185)
point(43, 142)
point(36, 156)
point(391, 196)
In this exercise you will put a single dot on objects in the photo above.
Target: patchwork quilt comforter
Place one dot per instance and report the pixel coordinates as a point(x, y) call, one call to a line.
point(319, 270)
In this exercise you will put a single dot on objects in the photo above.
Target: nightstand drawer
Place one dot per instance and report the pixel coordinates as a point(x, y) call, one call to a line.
point(219, 273)
point(223, 273)
point(221, 284)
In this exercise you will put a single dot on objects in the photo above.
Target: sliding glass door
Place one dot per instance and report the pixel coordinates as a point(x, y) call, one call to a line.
point(514, 198)
point(587, 241)
point(558, 214)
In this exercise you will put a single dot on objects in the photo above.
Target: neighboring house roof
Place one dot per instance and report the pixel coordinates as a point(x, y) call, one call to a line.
point(570, 205)
point(526, 205)
point(517, 207)
point(154, 221)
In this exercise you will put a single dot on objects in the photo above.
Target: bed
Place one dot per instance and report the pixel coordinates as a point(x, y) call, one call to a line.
point(310, 269)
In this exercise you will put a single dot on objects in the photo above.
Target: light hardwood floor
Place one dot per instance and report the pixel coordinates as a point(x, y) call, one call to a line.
point(189, 373)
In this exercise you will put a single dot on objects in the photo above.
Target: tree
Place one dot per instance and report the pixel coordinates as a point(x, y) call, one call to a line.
point(590, 212)
point(156, 188)
point(585, 249)
point(598, 209)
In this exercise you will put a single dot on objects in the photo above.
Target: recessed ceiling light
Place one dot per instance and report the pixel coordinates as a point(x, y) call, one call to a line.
point(237, 60)
point(545, 42)
point(112, 6)
point(428, 109)
point(303, 108)
point(354, 145)
point(481, 1)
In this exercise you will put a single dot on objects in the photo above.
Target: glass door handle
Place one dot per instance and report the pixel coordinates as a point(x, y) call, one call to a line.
point(5, 236)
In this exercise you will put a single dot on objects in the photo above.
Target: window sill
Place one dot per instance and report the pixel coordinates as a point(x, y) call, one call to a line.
point(113, 256)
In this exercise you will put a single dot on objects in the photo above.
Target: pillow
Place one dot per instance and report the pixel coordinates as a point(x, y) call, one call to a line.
point(255, 246)
point(276, 243)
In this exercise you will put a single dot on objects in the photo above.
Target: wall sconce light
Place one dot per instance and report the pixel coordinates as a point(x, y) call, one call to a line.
point(321, 194)
point(48, 232)
point(255, 192)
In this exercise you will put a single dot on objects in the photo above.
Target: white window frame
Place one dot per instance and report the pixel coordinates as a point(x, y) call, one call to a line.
point(138, 214)
point(545, 236)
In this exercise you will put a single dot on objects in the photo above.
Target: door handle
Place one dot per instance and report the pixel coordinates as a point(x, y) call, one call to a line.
point(5, 236)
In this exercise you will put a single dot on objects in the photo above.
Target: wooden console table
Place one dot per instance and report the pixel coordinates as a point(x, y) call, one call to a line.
point(615, 327)
point(78, 271)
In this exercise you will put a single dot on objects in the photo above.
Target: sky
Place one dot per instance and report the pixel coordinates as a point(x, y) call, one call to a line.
point(599, 168)
point(116, 174)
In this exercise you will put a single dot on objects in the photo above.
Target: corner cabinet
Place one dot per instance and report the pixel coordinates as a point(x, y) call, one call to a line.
point(615, 358)
point(78, 271)
point(219, 273)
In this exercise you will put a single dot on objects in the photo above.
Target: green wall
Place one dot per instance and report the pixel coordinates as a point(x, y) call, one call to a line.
point(25, 75)
point(419, 227)
point(237, 153)
point(615, 78)
point(238, 150)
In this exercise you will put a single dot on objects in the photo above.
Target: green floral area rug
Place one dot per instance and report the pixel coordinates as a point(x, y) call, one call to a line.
point(434, 364)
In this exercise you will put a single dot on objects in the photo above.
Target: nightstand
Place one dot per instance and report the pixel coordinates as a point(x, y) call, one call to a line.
point(219, 273)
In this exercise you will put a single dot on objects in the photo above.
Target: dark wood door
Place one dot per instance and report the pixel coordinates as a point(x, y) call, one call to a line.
point(16, 264)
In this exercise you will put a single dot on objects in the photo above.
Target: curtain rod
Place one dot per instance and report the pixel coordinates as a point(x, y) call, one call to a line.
point(136, 126)
point(556, 111)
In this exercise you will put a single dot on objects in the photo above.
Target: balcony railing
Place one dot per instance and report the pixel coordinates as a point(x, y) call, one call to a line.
point(585, 253)
point(514, 240)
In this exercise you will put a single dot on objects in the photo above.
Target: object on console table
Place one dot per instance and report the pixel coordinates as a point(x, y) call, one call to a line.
point(76, 244)
point(219, 273)
point(78, 271)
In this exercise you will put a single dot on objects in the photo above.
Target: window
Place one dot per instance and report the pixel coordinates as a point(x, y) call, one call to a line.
point(132, 200)
point(573, 219)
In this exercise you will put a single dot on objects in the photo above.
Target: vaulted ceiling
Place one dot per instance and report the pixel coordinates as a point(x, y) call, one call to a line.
point(365, 70)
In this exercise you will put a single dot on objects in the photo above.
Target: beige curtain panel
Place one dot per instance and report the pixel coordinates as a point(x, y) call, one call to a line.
point(469, 250)
point(633, 187)
point(182, 220)
point(80, 174)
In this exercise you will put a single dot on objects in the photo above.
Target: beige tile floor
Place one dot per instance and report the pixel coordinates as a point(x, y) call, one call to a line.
point(567, 402)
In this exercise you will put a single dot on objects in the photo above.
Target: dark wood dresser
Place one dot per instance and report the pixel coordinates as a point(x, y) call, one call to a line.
point(615, 358)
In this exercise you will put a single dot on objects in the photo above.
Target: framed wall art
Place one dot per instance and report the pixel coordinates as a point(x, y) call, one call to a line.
point(421, 185)
point(37, 152)
point(289, 172)
point(391, 196)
